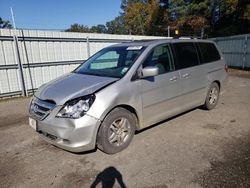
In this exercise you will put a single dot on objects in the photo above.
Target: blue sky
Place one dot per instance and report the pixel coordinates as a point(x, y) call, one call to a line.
point(59, 14)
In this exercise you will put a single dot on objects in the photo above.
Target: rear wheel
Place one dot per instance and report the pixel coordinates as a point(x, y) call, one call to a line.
point(212, 96)
point(116, 131)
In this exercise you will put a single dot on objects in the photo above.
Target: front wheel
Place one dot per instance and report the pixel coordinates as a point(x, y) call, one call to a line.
point(212, 96)
point(116, 131)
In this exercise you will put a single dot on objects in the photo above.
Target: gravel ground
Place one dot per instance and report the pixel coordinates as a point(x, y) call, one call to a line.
point(196, 149)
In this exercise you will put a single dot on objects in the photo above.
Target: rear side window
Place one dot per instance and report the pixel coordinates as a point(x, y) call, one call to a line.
point(186, 55)
point(209, 52)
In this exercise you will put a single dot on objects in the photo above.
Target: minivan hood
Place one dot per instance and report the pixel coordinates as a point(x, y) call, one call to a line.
point(71, 86)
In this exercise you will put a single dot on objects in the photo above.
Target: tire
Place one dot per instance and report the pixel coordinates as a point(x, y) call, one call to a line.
point(116, 131)
point(212, 98)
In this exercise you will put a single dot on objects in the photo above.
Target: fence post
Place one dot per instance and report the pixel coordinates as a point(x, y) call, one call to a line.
point(202, 33)
point(17, 53)
point(244, 53)
point(28, 64)
point(88, 47)
point(20, 66)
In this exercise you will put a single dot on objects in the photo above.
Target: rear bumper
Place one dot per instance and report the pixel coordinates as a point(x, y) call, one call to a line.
point(75, 135)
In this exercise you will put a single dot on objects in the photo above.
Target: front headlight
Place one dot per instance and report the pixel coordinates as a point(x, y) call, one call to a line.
point(76, 108)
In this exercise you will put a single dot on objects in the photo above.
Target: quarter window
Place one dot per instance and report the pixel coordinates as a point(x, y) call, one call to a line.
point(209, 53)
point(186, 55)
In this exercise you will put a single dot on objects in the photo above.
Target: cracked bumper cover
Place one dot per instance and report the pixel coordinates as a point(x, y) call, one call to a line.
point(75, 135)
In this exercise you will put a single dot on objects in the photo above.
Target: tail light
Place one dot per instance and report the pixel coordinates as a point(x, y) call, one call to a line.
point(226, 68)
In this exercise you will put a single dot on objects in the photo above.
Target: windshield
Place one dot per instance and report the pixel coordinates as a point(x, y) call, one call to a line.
point(111, 62)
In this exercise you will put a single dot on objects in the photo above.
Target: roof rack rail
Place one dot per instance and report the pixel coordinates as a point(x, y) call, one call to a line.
point(138, 40)
point(147, 40)
point(187, 37)
point(184, 38)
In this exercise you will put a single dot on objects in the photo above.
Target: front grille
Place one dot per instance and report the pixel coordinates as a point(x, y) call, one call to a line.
point(49, 136)
point(40, 109)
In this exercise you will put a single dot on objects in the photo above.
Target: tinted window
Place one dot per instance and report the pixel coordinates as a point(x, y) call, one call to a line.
point(209, 53)
point(186, 55)
point(160, 57)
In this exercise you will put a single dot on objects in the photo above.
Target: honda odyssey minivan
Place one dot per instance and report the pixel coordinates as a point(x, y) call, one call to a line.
point(124, 88)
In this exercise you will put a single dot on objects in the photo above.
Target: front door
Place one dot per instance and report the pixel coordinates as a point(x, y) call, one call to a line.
point(161, 94)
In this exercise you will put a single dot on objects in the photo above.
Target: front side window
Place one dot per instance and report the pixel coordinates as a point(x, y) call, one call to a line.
point(160, 57)
point(186, 55)
point(111, 62)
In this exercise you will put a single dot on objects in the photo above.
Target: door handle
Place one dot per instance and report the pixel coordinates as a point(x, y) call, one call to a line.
point(185, 75)
point(173, 79)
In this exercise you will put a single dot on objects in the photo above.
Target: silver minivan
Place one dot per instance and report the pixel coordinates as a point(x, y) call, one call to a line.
point(124, 88)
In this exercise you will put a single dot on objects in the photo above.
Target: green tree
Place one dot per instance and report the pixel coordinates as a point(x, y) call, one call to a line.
point(99, 29)
point(5, 24)
point(146, 18)
point(234, 17)
point(125, 3)
point(201, 8)
point(137, 18)
point(240, 10)
point(243, 10)
point(190, 17)
point(152, 17)
point(116, 26)
point(78, 28)
point(158, 19)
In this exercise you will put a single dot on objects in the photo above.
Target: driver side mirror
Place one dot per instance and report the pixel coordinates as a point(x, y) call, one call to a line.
point(150, 71)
